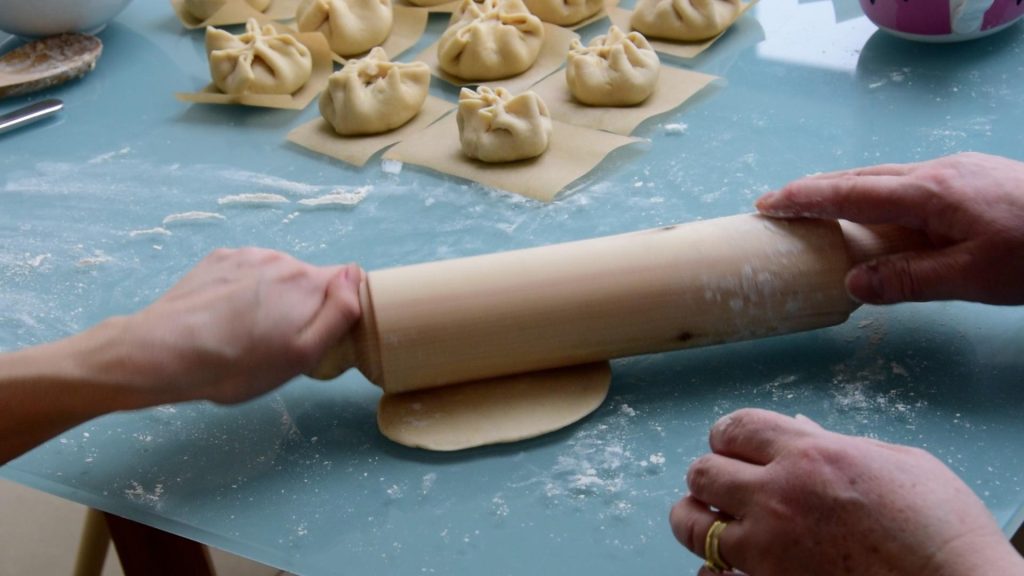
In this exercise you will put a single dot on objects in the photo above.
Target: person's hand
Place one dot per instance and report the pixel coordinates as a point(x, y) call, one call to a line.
point(801, 500)
point(970, 205)
point(241, 323)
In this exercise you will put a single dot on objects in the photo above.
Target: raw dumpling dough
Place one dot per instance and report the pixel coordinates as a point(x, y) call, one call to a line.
point(204, 9)
point(494, 126)
point(490, 39)
point(493, 411)
point(351, 26)
point(374, 95)
point(685, 20)
point(564, 12)
point(260, 61)
point(613, 70)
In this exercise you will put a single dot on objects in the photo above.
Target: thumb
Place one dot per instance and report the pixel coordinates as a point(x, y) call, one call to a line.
point(911, 277)
point(338, 313)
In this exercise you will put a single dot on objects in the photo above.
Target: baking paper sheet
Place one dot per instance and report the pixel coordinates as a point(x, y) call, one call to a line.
point(573, 152)
point(675, 86)
point(322, 68)
point(620, 17)
point(552, 55)
point(321, 138)
point(236, 12)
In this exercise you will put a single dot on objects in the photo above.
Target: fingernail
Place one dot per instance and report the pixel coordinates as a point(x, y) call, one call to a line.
point(353, 274)
point(765, 199)
point(864, 284)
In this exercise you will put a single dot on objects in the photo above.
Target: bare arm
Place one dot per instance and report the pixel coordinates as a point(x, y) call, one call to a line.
point(241, 323)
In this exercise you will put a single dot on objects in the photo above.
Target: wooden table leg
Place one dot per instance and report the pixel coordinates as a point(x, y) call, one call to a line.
point(92, 548)
point(150, 552)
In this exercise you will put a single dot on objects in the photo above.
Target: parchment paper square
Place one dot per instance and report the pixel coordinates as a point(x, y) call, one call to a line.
point(321, 138)
point(236, 12)
point(573, 152)
point(552, 55)
point(322, 68)
point(620, 17)
point(675, 86)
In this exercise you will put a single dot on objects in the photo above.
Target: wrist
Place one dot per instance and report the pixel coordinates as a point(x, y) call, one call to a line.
point(112, 361)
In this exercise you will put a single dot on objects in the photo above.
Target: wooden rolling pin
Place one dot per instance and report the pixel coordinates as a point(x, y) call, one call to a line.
point(694, 284)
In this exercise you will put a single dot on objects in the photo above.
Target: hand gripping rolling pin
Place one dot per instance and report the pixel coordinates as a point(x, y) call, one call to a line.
point(694, 284)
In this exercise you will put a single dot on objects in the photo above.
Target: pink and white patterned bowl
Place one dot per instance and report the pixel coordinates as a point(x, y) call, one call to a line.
point(943, 20)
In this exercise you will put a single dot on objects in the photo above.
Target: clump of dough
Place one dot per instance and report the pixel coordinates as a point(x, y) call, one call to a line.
point(490, 39)
point(685, 20)
point(204, 9)
point(260, 61)
point(374, 95)
point(616, 69)
point(351, 27)
point(564, 12)
point(495, 126)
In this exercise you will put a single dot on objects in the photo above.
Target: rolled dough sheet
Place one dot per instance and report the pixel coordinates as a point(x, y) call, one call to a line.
point(322, 68)
point(674, 87)
point(620, 17)
point(236, 12)
point(493, 411)
point(551, 57)
point(319, 137)
point(573, 152)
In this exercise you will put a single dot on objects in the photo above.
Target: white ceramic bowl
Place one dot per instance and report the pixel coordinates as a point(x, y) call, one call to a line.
point(35, 18)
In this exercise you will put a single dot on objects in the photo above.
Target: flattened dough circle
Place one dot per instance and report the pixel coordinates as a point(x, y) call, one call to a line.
point(493, 411)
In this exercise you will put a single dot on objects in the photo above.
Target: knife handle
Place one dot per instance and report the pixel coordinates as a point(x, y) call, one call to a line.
point(28, 114)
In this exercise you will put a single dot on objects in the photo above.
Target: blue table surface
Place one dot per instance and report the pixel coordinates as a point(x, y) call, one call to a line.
point(301, 479)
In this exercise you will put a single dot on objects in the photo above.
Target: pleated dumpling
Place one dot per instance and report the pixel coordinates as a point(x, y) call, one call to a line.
point(490, 39)
point(564, 12)
point(616, 69)
point(374, 95)
point(495, 126)
point(685, 20)
point(260, 61)
point(204, 9)
point(351, 26)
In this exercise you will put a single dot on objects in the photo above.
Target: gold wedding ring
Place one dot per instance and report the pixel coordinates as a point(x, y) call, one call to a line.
point(712, 559)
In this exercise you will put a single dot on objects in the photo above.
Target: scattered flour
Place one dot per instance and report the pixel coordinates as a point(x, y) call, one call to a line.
point(194, 216)
point(253, 199)
point(95, 260)
point(338, 198)
point(428, 482)
point(267, 181)
point(158, 231)
point(110, 155)
point(678, 128)
point(137, 493)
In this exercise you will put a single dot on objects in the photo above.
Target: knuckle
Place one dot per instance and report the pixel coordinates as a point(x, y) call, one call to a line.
point(685, 527)
point(698, 475)
point(900, 281)
point(733, 428)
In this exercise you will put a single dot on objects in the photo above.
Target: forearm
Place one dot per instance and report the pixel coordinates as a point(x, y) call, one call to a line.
point(47, 389)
